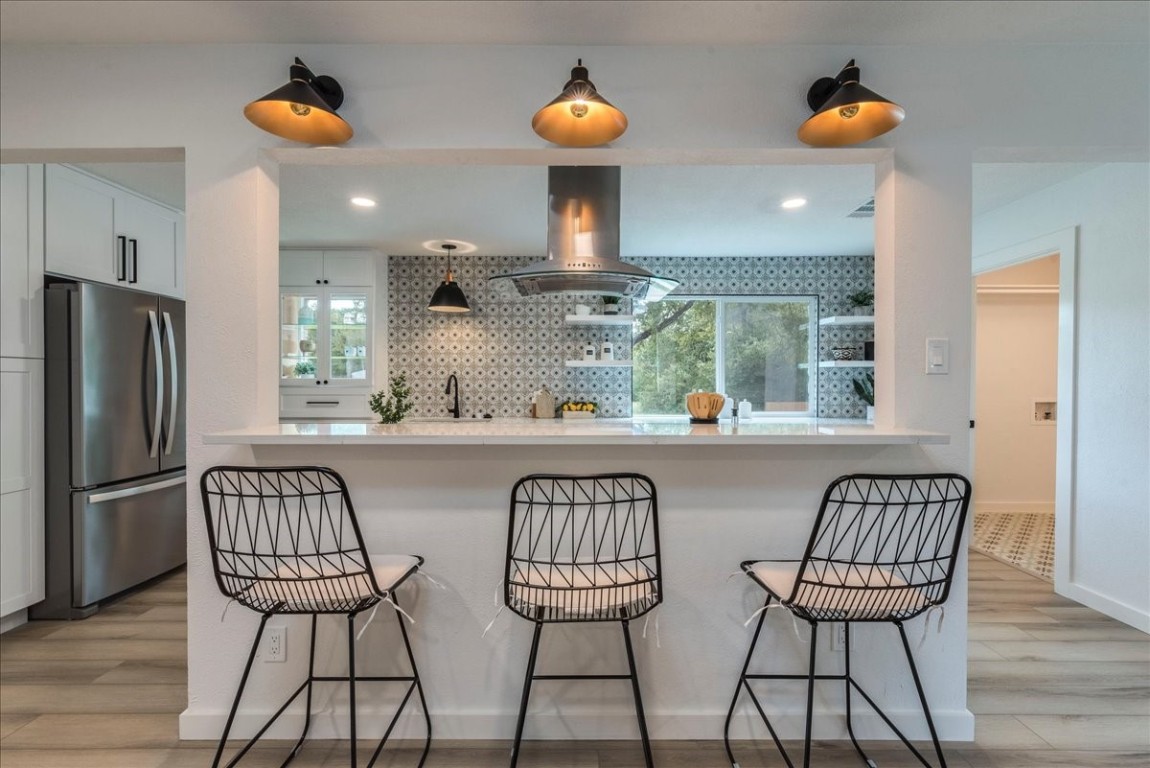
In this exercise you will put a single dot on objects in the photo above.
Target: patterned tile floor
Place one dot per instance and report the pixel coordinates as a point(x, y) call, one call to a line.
point(1024, 540)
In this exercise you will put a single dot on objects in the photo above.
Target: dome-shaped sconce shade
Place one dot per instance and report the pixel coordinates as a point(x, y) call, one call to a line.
point(579, 116)
point(303, 110)
point(846, 112)
point(448, 297)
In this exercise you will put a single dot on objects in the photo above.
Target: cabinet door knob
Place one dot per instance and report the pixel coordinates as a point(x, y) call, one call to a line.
point(317, 282)
point(325, 282)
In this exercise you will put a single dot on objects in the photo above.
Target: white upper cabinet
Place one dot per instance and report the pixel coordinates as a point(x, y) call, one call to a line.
point(22, 261)
point(95, 230)
point(333, 268)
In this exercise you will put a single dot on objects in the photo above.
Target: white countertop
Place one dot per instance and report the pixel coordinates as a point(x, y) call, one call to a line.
point(576, 432)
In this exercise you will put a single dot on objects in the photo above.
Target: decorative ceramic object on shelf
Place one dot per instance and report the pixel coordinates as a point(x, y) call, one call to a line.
point(611, 305)
point(862, 302)
point(843, 353)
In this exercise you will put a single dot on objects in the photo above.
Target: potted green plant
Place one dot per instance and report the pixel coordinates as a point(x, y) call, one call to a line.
point(862, 302)
point(864, 388)
point(392, 404)
point(304, 369)
point(611, 305)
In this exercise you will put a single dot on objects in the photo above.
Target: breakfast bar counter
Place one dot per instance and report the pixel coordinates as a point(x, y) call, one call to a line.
point(726, 493)
point(578, 432)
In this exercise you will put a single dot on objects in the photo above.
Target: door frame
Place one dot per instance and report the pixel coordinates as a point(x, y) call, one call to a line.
point(1065, 243)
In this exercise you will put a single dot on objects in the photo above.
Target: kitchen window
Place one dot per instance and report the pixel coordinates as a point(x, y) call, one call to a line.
point(756, 348)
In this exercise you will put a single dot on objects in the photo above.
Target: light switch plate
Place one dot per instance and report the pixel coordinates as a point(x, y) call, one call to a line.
point(937, 356)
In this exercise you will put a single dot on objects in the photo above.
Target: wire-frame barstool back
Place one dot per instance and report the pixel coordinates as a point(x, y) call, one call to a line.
point(285, 540)
point(884, 547)
point(583, 548)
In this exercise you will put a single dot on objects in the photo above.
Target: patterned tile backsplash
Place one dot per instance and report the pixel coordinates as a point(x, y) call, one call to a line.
point(506, 349)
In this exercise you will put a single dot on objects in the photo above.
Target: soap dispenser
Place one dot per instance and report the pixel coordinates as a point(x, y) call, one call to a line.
point(607, 350)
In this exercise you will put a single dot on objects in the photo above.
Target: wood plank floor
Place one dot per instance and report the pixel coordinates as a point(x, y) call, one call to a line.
point(1053, 684)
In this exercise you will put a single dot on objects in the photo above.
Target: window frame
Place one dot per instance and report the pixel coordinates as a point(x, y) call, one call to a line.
point(720, 300)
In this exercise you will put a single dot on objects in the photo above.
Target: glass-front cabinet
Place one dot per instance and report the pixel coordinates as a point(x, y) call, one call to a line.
point(326, 322)
point(325, 337)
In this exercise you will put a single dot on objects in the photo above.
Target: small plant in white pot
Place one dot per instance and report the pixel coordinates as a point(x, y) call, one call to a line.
point(862, 302)
point(864, 388)
point(612, 305)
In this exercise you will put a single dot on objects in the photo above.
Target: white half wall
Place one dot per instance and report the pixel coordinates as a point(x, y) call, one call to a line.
point(1104, 554)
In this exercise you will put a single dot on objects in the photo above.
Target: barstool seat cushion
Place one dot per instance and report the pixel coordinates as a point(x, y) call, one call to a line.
point(568, 592)
point(313, 585)
point(851, 593)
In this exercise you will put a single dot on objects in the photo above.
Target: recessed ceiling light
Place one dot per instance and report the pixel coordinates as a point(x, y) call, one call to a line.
point(363, 202)
point(794, 202)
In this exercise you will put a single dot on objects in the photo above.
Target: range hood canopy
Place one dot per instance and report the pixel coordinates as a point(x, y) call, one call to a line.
point(583, 242)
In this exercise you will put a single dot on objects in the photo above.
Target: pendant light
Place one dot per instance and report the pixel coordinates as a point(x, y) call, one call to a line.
point(303, 110)
point(579, 116)
point(845, 112)
point(448, 297)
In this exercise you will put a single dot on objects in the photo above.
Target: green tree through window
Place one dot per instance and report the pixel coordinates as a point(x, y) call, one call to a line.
point(753, 348)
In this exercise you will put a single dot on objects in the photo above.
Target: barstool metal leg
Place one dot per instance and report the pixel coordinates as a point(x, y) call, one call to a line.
point(418, 688)
point(239, 693)
point(310, 677)
point(638, 696)
point(351, 685)
point(921, 698)
point(848, 692)
point(526, 693)
point(739, 689)
point(810, 695)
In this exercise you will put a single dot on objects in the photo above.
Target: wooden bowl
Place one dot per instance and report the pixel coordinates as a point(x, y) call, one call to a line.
point(705, 405)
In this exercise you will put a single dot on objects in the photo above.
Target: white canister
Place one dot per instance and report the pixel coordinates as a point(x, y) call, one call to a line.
point(745, 409)
point(588, 351)
point(607, 350)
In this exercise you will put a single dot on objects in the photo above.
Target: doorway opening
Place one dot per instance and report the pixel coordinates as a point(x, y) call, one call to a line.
point(1016, 410)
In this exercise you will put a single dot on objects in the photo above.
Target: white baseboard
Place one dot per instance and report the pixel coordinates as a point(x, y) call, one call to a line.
point(13, 620)
point(1103, 604)
point(952, 725)
point(1015, 507)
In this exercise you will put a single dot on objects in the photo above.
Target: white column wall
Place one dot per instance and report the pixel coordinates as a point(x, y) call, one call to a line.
point(958, 100)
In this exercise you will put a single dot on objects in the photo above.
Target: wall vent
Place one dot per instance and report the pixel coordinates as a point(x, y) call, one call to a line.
point(864, 211)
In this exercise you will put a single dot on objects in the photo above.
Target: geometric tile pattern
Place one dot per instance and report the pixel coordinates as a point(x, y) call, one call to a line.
point(506, 349)
point(1022, 539)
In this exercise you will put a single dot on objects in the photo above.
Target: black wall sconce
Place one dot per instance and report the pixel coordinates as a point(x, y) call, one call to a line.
point(303, 110)
point(579, 116)
point(846, 112)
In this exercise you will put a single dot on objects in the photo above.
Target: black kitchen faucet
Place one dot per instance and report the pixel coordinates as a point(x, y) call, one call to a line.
point(454, 409)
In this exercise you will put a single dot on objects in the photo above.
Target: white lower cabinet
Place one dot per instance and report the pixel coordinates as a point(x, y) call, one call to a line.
point(21, 483)
point(324, 405)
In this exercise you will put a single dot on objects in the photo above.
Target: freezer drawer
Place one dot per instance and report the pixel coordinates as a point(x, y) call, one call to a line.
point(126, 535)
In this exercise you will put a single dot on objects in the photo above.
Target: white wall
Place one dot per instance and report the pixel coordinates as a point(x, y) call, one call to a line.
point(1016, 363)
point(1109, 547)
point(677, 98)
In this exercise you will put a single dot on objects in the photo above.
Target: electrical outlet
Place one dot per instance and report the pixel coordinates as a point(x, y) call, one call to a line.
point(275, 644)
point(839, 638)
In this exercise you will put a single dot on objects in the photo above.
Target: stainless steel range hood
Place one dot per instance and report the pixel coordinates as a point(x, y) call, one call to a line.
point(583, 242)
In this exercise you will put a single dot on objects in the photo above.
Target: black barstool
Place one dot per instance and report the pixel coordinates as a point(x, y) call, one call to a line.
point(583, 549)
point(285, 540)
point(883, 549)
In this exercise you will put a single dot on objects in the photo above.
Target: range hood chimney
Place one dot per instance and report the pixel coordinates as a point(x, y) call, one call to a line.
point(583, 242)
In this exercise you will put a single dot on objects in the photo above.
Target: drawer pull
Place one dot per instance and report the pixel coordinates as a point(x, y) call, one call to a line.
point(322, 402)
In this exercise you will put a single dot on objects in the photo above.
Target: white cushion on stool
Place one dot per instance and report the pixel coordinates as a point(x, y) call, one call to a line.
point(313, 589)
point(584, 591)
point(886, 593)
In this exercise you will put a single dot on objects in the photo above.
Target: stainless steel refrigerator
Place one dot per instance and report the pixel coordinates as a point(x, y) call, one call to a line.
point(115, 500)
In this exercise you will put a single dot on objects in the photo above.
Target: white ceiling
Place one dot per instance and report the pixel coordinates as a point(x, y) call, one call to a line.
point(665, 210)
point(541, 22)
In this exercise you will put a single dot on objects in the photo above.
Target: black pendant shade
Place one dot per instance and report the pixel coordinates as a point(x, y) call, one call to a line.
point(448, 297)
point(846, 112)
point(579, 116)
point(303, 110)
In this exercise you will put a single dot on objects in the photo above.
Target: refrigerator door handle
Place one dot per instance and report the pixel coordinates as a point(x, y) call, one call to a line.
point(139, 490)
point(154, 323)
point(174, 374)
